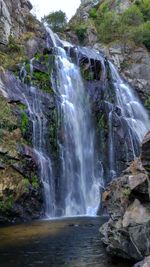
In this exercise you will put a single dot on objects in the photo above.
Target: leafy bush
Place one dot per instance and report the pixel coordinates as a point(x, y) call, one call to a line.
point(93, 13)
point(13, 46)
point(132, 16)
point(56, 20)
point(144, 6)
point(132, 25)
point(142, 34)
point(81, 33)
point(108, 27)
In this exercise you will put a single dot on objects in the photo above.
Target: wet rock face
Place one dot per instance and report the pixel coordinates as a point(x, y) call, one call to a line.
point(133, 64)
point(21, 196)
point(145, 153)
point(127, 200)
point(144, 263)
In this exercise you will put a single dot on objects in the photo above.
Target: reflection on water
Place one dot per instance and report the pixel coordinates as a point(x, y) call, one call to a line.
point(73, 242)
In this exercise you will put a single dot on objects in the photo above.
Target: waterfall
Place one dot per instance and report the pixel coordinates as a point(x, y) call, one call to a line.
point(78, 184)
point(75, 187)
point(39, 137)
point(33, 99)
point(132, 114)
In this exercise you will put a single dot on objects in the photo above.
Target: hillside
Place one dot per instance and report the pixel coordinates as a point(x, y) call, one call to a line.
point(121, 30)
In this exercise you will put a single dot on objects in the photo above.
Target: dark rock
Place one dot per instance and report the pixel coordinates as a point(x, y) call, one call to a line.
point(144, 263)
point(127, 233)
point(145, 153)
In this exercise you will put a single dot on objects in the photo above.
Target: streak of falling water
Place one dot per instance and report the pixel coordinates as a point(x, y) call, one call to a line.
point(33, 99)
point(40, 128)
point(78, 172)
point(79, 187)
point(133, 113)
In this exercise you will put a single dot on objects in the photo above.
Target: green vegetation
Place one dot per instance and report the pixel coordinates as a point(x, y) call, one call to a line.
point(42, 80)
point(93, 13)
point(13, 46)
point(35, 182)
point(56, 20)
point(24, 122)
point(26, 184)
point(81, 33)
point(39, 78)
point(14, 53)
point(7, 120)
point(126, 192)
point(53, 130)
point(130, 25)
point(7, 203)
point(147, 103)
point(86, 73)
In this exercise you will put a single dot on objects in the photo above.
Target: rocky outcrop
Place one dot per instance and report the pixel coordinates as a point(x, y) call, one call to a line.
point(132, 61)
point(144, 263)
point(22, 37)
point(127, 200)
point(13, 16)
point(20, 189)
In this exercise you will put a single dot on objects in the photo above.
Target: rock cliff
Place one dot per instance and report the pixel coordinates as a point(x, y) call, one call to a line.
point(132, 60)
point(127, 200)
point(21, 37)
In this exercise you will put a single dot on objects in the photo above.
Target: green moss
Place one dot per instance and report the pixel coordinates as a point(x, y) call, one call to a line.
point(42, 80)
point(22, 107)
point(7, 120)
point(87, 74)
point(7, 203)
point(93, 13)
point(26, 185)
point(81, 32)
point(15, 47)
point(147, 103)
point(24, 122)
point(27, 66)
point(53, 128)
point(126, 192)
point(35, 182)
point(102, 123)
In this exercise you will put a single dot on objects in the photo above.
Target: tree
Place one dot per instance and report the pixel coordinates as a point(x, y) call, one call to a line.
point(56, 20)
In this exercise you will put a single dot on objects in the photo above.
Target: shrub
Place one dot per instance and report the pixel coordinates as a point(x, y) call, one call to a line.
point(107, 29)
point(81, 33)
point(142, 34)
point(13, 46)
point(93, 13)
point(132, 16)
point(7, 204)
point(56, 20)
point(144, 6)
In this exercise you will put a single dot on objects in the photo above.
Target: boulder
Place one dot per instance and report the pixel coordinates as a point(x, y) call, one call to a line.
point(127, 233)
point(144, 263)
point(145, 153)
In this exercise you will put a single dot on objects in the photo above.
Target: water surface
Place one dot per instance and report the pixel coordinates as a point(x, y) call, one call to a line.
point(73, 242)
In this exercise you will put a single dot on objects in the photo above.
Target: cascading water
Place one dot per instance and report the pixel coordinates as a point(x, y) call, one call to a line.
point(34, 99)
point(132, 114)
point(40, 132)
point(75, 190)
point(79, 194)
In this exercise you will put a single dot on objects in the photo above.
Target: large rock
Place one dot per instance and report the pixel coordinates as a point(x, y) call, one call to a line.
point(14, 15)
point(145, 154)
point(127, 200)
point(144, 263)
